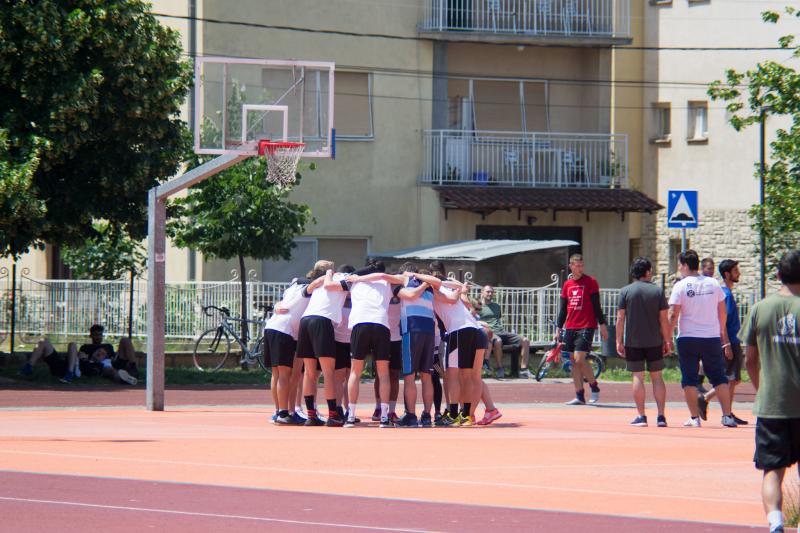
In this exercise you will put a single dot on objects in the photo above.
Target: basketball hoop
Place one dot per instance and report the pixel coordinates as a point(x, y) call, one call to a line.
point(282, 159)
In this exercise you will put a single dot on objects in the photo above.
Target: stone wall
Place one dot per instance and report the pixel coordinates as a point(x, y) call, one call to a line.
point(723, 234)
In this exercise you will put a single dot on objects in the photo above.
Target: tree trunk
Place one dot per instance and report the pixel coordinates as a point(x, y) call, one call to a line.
point(243, 278)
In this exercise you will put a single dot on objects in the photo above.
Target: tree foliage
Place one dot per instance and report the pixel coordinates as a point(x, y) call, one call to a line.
point(109, 253)
point(774, 87)
point(101, 83)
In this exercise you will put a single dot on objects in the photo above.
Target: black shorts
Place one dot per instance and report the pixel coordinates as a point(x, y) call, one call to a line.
point(417, 352)
point(90, 367)
point(395, 355)
point(316, 338)
point(578, 340)
point(342, 355)
point(368, 338)
point(733, 367)
point(462, 345)
point(57, 363)
point(777, 443)
point(279, 348)
point(635, 359)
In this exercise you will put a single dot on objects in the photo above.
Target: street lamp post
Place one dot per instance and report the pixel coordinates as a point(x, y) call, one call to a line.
point(762, 216)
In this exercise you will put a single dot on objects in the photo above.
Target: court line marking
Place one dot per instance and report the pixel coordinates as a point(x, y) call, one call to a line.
point(541, 467)
point(498, 484)
point(208, 515)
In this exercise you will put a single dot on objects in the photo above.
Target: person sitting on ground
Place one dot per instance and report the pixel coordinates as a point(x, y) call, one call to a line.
point(99, 359)
point(490, 314)
point(60, 364)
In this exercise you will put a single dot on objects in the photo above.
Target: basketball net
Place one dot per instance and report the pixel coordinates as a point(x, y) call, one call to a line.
point(282, 160)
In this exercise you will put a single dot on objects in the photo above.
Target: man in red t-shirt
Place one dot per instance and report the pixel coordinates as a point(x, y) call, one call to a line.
point(579, 315)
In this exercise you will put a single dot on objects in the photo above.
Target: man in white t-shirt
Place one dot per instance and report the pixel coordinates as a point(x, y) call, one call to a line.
point(697, 307)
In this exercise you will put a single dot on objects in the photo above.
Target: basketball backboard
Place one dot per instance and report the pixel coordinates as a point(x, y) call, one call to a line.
point(240, 101)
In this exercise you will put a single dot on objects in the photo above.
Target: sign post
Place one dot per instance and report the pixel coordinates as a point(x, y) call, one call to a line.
point(682, 212)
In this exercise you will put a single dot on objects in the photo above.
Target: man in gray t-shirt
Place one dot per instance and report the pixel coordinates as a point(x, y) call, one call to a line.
point(643, 324)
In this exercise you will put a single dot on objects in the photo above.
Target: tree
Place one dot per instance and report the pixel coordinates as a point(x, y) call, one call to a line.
point(101, 83)
point(776, 87)
point(109, 253)
point(237, 213)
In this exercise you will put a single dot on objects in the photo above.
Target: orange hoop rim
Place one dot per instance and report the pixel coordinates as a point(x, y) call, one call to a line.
point(267, 146)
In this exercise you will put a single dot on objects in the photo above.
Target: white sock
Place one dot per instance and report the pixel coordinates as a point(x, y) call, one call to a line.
point(351, 412)
point(392, 406)
point(775, 519)
point(384, 411)
point(298, 409)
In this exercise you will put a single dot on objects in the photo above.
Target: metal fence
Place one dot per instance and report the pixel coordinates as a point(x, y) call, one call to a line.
point(563, 18)
point(68, 308)
point(524, 159)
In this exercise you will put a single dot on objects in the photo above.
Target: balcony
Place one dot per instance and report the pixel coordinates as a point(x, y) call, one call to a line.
point(569, 22)
point(525, 159)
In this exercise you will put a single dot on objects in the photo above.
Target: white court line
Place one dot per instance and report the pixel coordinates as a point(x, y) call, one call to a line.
point(95, 458)
point(541, 467)
point(210, 515)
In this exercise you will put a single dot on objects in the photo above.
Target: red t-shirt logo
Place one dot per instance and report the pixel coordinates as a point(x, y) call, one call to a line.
point(576, 299)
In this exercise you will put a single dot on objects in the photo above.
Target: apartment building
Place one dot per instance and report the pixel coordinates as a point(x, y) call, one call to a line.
point(690, 143)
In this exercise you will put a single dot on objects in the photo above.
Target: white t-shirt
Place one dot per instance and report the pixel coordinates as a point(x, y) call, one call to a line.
point(699, 298)
point(295, 302)
point(455, 316)
point(341, 331)
point(370, 303)
point(327, 303)
point(394, 319)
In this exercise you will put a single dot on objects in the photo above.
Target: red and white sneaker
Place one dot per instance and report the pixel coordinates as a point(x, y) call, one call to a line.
point(489, 417)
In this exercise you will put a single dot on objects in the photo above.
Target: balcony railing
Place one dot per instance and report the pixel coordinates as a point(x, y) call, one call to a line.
point(529, 159)
point(603, 19)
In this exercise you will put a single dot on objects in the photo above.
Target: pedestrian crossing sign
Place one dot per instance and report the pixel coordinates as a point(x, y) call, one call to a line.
point(682, 209)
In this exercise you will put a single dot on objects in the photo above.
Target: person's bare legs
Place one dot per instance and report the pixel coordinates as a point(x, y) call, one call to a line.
point(345, 392)
point(353, 382)
point(578, 372)
point(410, 393)
point(497, 351)
point(771, 491)
point(475, 378)
point(690, 395)
point(427, 391)
point(723, 396)
point(283, 386)
point(340, 381)
point(394, 388)
point(42, 350)
point(659, 391)
point(328, 369)
point(453, 389)
point(638, 391)
point(273, 389)
point(465, 378)
point(294, 394)
point(486, 397)
point(385, 386)
point(125, 349)
point(310, 377)
point(524, 354)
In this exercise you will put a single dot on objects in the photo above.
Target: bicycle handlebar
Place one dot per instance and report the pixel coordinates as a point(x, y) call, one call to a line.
point(223, 310)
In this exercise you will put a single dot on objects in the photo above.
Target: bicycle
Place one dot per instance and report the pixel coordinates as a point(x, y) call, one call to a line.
point(213, 347)
point(555, 356)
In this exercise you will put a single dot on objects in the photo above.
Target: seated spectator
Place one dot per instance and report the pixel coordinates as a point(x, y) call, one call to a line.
point(94, 359)
point(490, 313)
point(99, 359)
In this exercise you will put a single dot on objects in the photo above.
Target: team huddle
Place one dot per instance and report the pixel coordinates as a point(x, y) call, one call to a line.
point(412, 323)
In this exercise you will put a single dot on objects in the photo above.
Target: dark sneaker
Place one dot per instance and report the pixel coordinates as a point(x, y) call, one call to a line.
point(376, 415)
point(702, 405)
point(314, 421)
point(738, 420)
point(68, 377)
point(299, 419)
point(334, 422)
point(408, 421)
point(26, 371)
point(444, 421)
point(285, 421)
point(425, 420)
point(640, 421)
point(386, 423)
point(728, 421)
point(662, 421)
point(394, 418)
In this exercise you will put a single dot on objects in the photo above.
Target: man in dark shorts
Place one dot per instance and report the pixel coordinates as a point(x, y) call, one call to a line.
point(580, 313)
point(772, 357)
point(642, 318)
point(490, 313)
point(729, 271)
point(61, 365)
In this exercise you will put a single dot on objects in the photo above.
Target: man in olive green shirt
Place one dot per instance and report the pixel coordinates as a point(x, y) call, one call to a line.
point(489, 312)
point(772, 357)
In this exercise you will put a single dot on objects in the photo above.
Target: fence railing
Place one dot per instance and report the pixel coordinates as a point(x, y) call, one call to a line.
point(563, 18)
point(68, 308)
point(524, 159)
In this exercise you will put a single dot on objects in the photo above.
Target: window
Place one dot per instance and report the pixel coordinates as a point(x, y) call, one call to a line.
point(663, 119)
point(698, 122)
point(498, 105)
point(353, 101)
point(304, 255)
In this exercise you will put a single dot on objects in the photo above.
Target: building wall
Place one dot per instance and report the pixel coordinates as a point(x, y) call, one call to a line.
point(722, 168)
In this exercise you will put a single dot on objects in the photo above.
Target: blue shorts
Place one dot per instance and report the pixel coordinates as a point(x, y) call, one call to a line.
point(417, 352)
point(692, 350)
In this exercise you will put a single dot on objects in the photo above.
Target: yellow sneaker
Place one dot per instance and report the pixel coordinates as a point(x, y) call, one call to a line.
point(463, 421)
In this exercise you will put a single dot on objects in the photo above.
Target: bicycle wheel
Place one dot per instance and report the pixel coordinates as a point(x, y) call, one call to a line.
point(258, 355)
point(597, 364)
point(211, 350)
point(541, 370)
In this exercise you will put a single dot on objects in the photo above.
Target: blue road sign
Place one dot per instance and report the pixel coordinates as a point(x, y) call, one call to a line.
point(682, 209)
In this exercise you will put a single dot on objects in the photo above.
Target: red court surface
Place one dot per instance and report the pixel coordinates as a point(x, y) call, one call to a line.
point(540, 468)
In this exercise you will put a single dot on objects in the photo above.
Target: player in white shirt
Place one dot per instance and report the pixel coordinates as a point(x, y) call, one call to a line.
point(697, 307)
point(316, 341)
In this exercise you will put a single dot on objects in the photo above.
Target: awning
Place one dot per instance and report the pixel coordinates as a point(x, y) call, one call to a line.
point(488, 199)
point(476, 250)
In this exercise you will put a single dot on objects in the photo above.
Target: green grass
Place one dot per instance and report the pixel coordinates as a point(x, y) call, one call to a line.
point(791, 503)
